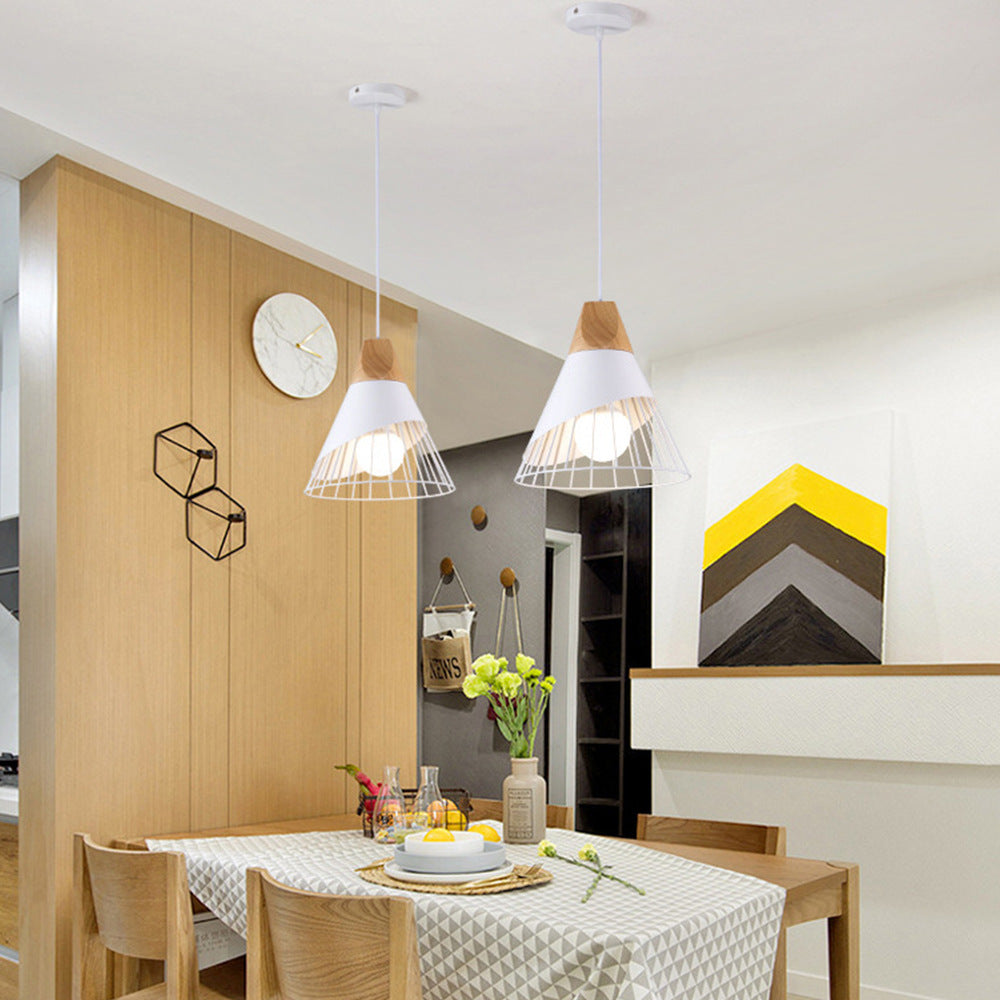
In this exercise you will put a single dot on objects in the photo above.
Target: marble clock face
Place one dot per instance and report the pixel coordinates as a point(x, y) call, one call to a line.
point(294, 345)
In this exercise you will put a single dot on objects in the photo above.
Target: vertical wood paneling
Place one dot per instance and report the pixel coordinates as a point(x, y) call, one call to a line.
point(289, 586)
point(352, 673)
point(388, 536)
point(161, 691)
point(210, 413)
point(38, 325)
point(124, 569)
point(122, 695)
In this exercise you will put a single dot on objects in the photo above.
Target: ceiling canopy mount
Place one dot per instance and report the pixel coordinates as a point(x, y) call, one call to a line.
point(377, 95)
point(591, 18)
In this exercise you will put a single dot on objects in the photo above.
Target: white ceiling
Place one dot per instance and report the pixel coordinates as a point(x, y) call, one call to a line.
point(460, 407)
point(767, 162)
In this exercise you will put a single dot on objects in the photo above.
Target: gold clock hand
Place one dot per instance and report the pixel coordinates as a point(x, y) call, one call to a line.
point(306, 349)
point(309, 336)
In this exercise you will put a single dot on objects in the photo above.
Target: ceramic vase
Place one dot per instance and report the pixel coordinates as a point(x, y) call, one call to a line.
point(523, 802)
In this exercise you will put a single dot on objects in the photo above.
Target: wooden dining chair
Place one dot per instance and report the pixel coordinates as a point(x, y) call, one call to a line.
point(313, 946)
point(136, 905)
point(753, 838)
point(556, 817)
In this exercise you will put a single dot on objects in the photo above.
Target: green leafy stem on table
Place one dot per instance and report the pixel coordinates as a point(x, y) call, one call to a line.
point(546, 849)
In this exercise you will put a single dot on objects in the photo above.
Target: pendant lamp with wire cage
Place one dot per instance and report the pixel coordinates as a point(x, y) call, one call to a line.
point(379, 447)
point(601, 428)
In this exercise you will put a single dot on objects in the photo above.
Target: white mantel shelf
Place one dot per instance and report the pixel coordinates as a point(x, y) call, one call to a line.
point(931, 713)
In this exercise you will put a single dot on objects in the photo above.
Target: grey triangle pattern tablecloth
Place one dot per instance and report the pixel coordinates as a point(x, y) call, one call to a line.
point(699, 933)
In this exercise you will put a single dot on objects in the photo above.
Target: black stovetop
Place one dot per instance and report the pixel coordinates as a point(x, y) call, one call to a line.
point(8, 769)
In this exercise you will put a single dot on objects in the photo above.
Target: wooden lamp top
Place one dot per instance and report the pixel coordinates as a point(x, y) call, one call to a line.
point(377, 362)
point(600, 328)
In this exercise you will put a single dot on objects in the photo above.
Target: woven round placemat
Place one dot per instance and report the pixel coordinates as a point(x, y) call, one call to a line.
point(518, 879)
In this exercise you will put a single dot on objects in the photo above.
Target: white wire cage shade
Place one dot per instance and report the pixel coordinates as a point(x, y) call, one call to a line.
point(601, 428)
point(379, 447)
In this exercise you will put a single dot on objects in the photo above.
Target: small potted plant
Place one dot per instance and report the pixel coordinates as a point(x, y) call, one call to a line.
point(518, 699)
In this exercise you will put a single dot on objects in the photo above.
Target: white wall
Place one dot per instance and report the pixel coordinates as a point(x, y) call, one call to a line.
point(927, 837)
point(9, 408)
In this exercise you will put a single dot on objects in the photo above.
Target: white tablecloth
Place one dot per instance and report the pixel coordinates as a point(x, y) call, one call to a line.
point(699, 933)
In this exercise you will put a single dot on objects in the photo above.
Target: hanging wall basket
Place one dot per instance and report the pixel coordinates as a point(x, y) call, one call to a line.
point(446, 647)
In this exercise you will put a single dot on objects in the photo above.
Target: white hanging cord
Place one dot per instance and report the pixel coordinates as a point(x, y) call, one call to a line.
point(600, 163)
point(378, 228)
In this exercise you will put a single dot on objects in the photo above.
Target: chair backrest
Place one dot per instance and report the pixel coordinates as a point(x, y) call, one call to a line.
point(314, 946)
point(750, 837)
point(556, 817)
point(135, 904)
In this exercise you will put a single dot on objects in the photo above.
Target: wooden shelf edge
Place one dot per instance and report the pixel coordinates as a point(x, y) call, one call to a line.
point(836, 670)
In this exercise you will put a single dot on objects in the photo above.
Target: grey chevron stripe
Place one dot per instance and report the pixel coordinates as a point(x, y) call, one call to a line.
point(851, 607)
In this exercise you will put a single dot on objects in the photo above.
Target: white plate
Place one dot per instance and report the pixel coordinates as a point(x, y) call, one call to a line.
point(393, 870)
point(491, 856)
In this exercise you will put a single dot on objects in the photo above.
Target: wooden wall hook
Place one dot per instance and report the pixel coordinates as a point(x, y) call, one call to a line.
point(447, 566)
point(507, 577)
point(478, 514)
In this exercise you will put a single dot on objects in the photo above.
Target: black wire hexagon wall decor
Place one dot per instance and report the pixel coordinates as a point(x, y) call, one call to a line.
point(186, 461)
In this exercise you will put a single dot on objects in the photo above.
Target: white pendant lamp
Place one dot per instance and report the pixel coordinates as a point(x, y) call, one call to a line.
point(379, 447)
point(601, 428)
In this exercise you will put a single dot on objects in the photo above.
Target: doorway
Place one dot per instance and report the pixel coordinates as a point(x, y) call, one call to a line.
point(562, 589)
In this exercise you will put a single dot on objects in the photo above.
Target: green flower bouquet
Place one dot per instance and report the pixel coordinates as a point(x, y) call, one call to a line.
point(518, 697)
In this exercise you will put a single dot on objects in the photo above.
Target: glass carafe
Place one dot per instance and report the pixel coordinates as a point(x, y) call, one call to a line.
point(429, 808)
point(389, 815)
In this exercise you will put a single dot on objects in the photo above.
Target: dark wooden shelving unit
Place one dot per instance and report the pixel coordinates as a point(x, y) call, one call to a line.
point(612, 779)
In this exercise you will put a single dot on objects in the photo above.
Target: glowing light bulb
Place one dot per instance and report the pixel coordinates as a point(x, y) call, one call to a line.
point(380, 454)
point(602, 435)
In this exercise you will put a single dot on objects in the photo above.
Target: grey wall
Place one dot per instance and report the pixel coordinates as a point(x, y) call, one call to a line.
point(562, 511)
point(455, 733)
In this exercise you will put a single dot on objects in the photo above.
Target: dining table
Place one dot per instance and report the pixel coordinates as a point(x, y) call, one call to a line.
point(705, 927)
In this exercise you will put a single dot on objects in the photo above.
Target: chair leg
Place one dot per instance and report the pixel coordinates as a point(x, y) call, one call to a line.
point(779, 981)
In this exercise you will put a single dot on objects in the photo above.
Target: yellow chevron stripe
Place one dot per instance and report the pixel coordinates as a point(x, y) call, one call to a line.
point(851, 512)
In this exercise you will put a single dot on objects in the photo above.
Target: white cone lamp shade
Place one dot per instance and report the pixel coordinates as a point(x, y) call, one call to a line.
point(379, 447)
point(601, 428)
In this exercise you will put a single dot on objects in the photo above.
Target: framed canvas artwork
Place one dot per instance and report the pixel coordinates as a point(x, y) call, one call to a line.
point(795, 545)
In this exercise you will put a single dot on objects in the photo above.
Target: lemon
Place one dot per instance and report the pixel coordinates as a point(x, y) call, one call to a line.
point(455, 819)
point(438, 835)
point(444, 812)
point(488, 832)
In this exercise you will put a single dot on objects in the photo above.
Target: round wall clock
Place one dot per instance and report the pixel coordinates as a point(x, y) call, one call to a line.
point(294, 345)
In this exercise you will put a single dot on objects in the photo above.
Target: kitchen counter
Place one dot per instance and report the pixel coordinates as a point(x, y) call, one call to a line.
point(8, 804)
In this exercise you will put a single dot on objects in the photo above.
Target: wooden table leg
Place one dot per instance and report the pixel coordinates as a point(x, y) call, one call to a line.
point(844, 943)
point(779, 982)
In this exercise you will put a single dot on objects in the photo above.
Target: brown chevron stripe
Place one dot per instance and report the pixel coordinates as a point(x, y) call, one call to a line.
point(860, 563)
point(790, 631)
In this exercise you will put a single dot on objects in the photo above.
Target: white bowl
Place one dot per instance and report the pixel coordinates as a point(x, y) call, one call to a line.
point(464, 843)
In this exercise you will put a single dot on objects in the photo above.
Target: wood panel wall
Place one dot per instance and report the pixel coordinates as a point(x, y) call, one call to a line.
point(162, 691)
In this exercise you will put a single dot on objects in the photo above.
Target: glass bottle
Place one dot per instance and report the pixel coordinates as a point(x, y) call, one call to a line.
point(389, 816)
point(429, 808)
